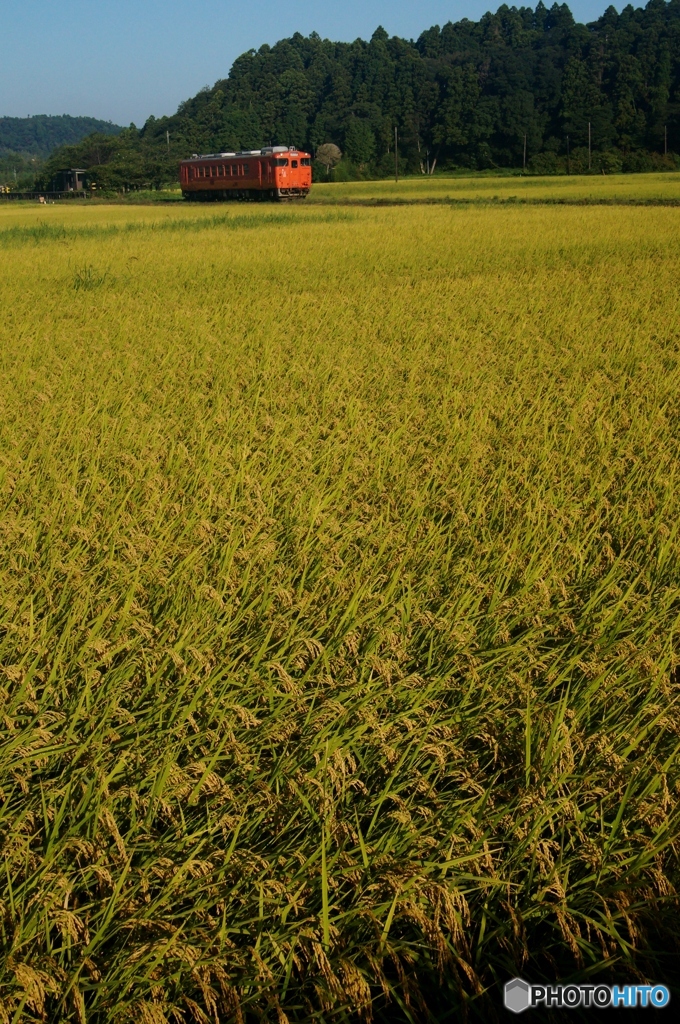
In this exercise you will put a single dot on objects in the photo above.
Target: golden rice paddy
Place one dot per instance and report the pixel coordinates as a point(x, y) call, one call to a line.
point(340, 593)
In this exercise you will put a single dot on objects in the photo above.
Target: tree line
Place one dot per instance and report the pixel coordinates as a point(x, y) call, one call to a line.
point(40, 135)
point(25, 143)
point(521, 86)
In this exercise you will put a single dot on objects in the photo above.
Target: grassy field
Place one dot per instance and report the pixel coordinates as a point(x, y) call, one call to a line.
point(631, 188)
point(340, 591)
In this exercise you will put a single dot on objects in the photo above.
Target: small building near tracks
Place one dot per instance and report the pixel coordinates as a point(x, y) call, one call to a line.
point(70, 179)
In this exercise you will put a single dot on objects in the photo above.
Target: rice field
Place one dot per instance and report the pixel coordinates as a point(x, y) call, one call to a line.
point(340, 588)
point(587, 189)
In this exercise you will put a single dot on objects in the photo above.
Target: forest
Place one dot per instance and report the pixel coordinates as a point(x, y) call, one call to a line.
point(519, 87)
point(42, 134)
point(25, 142)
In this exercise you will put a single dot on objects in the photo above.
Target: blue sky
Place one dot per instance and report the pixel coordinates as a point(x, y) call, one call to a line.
point(124, 60)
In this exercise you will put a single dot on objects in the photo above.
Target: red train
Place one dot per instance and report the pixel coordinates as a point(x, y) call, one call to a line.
point(276, 172)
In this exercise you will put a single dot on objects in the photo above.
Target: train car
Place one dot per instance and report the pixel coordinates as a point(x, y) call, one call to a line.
point(276, 172)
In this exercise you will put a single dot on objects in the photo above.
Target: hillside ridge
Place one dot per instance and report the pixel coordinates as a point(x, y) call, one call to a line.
point(520, 87)
point(40, 134)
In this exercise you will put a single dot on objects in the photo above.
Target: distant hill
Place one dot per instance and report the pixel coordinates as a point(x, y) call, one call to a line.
point(469, 94)
point(517, 86)
point(42, 134)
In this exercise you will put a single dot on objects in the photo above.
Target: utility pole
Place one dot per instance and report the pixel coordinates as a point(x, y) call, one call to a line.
point(665, 140)
point(427, 156)
point(396, 155)
point(167, 135)
point(568, 158)
point(524, 164)
point(589, 148)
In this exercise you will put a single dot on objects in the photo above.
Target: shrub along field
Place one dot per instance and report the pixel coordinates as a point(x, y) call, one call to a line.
point(340, 593)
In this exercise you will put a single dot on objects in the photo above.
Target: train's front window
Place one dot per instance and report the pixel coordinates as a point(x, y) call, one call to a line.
point(293, 163)
point(281, 162)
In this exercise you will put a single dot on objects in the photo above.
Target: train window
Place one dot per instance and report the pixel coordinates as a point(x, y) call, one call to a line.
point(234, 168)
point(305, 162)
point(280, 162)
point(245, 168)
point(293, 163)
